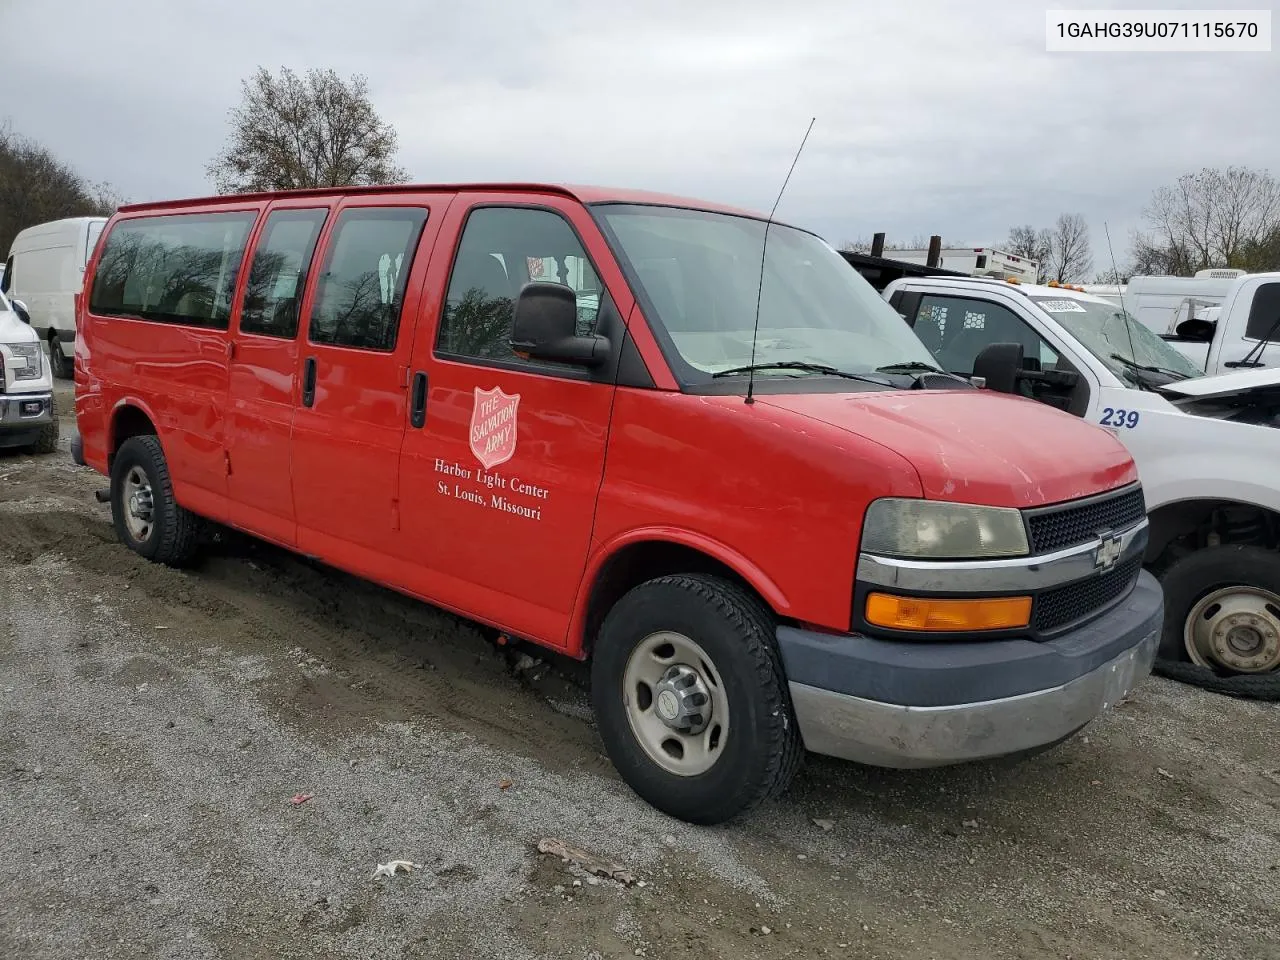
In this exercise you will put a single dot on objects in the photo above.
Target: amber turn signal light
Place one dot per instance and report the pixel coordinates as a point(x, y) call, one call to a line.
point(946, 615)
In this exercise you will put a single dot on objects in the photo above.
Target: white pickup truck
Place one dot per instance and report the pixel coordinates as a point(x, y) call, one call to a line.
point(1238, 334)
point(27, 415)
point(1206, 447)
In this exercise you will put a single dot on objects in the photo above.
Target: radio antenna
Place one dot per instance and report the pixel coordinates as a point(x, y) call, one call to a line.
point(1115, 275)
point(764, 247)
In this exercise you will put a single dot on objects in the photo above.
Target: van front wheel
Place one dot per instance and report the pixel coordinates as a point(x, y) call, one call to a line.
point(146, 516)
point(691, 699)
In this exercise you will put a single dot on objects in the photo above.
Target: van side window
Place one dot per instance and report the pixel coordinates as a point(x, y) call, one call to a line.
point(1264, 312)
point(361, 287)
point(176, 269)
point(502, 249)
point(278, 277)
point(956, 330)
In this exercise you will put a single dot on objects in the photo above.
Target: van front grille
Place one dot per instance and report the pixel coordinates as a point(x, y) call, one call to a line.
point(1069, 524)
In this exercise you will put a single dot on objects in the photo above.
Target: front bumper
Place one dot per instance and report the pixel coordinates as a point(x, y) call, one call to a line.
point(22, 415)
point(914, 703)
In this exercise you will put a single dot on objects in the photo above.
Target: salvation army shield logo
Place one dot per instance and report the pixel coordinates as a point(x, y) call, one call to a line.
point(493, 426)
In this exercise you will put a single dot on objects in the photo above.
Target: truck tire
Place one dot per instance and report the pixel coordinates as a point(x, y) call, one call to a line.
point(1222, 621)
point(61, 367)
point(691, 699)
point(146, 516)
point(47, 442)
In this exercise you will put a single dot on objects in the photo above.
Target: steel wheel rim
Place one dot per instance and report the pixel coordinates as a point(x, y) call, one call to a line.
point(138, 504)
point(1236, 628)
point(669, 668)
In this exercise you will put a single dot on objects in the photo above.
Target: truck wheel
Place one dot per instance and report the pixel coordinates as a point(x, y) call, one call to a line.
point(147, 518)
point(58, 363)
point(47, 442)
point(1222, 610)
point(691, 699)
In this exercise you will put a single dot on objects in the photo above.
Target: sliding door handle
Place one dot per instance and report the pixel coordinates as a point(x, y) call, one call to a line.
point(418, 400)
point(309, 382)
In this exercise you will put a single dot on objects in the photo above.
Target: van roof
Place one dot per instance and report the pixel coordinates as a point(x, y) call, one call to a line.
point(583, 194)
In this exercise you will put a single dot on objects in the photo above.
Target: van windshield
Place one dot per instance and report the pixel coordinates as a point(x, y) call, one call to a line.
point(700, 273)
point(1108, 332)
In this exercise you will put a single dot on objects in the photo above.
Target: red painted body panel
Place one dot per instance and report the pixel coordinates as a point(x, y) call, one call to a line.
point(973, 446)
point(513, 537)
point(754, 485)
point(775, 490)
point(346, 447)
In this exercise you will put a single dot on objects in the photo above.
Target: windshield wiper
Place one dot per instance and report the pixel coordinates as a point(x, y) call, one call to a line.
point(804, 366)
point(1133, 365)
point(909, 366)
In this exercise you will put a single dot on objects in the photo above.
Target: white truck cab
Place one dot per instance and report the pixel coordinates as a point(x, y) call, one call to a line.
point(1206, 447)
point(1240, 333)
point(28, 418)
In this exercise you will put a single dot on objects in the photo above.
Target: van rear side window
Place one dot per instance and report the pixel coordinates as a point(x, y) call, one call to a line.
point(278, 276)
point(361, 286)
point(175, 269)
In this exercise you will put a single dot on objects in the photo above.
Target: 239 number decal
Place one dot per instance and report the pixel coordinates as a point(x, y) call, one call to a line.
point(1116, 417)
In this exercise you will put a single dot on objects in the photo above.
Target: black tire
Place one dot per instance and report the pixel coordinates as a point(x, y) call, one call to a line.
point(762, 750)
point(1187, 580)
point(47, 442)
point(62, 368)
point(175, 531)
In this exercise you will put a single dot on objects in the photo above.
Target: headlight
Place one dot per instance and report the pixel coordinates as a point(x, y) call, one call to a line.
point(935, 530)
point(30, 352)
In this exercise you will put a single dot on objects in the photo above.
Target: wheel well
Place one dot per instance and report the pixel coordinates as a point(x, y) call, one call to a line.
point(1181, 528)
point(128, 422)
point(638, 563)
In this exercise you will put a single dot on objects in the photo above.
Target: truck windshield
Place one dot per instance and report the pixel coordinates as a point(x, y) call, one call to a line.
point(1108, 332)
point(700, 272)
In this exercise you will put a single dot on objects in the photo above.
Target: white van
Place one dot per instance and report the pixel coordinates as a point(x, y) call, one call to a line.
point(45, 270)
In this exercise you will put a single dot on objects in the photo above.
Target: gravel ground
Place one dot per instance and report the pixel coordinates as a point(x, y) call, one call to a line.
point(155, 724)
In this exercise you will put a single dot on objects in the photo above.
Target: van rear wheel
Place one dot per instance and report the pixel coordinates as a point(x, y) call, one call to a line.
point(691, 699)
point(58, 363)
point(146, 516)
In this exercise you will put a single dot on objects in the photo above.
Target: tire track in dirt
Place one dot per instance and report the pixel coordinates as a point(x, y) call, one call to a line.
point(381, 656)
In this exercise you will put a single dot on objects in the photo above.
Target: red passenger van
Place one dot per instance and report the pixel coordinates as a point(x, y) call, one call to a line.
point(561, 412)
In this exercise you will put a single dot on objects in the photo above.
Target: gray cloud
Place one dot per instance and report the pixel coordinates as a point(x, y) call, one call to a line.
point(933, 116)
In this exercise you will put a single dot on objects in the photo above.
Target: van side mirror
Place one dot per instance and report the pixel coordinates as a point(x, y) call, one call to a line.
point(545, 327)
point(20, 309)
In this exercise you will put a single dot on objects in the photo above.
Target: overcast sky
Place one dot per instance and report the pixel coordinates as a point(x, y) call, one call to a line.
point(932, 117)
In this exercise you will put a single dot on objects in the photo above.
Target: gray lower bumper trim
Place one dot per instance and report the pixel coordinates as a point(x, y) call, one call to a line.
point(889, 735)
point(11, 410)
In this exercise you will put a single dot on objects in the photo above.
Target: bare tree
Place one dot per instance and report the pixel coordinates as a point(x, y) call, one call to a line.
point(35, 187)
point(1214, 218)
point(1031, 244)
point(316, 130)
point(1069, 257)
point(1112, 275)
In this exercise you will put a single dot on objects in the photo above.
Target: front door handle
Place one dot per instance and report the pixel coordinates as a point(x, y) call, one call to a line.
point(309, 382)
point(418, 400)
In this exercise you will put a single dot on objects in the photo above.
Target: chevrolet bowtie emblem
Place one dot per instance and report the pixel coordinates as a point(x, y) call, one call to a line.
point(1108, 552)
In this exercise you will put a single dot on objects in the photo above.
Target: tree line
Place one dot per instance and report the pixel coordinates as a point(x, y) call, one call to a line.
point(317, 129)
point(36, 186)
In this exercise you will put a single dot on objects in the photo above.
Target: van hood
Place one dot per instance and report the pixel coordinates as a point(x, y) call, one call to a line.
point(974, 446)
